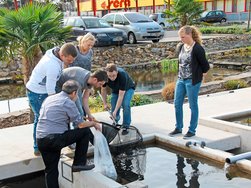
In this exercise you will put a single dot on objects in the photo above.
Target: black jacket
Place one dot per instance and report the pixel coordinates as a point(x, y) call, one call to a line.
point(200, 64)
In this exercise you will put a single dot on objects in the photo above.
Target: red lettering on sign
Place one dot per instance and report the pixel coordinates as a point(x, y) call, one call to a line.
point(116, 4)
point(103, 5)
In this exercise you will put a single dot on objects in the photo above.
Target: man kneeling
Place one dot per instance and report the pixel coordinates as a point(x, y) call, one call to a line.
point(52, 133)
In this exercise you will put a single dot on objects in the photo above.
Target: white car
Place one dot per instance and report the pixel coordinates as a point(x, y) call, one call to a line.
point(162, 20)
point(137, 26)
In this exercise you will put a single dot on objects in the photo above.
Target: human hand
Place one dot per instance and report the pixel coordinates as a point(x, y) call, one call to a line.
point(114, 114)
point(91, 118)
point(106, 107)
point(97, 126)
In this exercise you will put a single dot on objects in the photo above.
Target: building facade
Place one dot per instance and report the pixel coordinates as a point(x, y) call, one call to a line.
point(237, 9)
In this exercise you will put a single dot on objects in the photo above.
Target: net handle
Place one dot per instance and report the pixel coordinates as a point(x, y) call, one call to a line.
point(107, 109)
point(115, 127)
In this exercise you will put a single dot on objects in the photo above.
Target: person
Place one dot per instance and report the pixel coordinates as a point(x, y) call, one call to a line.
point(85, 52)
point(123, 88)
point(44, 77)
point(53, 134)
point(192, 66)
point(86, 79)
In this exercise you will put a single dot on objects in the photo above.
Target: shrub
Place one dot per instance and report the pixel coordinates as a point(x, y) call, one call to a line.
point(222, 30)
point(169, 65)
point(235, 84)
point(168, 91)
point(96, 104)
point(139, 100)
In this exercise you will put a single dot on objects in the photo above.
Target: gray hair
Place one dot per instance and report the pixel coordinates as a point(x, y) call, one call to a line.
point(70, 86)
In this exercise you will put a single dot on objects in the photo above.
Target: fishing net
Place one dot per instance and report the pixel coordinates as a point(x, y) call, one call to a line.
point(109, 131)
point(128, 152)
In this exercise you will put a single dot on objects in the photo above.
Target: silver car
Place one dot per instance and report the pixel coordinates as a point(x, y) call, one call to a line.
point(137, 26)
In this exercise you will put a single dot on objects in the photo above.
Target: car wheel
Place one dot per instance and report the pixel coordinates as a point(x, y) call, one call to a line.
point(132, 38)
point(155, 41)
point(162, 25)
point(223, 20)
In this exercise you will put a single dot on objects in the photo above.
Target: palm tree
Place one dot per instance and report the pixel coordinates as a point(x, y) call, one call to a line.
point(29, 32)
point(185, 11)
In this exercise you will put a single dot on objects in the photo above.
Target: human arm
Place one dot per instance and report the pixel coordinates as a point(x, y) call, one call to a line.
point(119, 102)
point(94, 124)
point(104, 96)
point(75, 117)
point(201, 57)
point(86, 104)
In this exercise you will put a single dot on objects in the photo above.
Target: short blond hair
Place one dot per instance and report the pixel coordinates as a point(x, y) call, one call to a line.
point(85, 38)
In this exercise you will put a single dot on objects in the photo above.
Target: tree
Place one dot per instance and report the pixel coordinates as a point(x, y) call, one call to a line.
point(185, 11)
point(7, 3)
point(29, 32)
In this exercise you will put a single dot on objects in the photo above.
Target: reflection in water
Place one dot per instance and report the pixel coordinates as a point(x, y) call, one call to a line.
point(246, 120)
point(149, 79)
point(146, 79)
point(165, 169)
point(26, 181)
point(181, 176)
point(10, 91)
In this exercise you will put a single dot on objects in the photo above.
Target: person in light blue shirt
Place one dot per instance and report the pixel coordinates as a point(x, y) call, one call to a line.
point(53, 134)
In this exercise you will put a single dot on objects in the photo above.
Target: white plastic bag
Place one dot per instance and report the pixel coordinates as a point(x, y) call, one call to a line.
point(102, 156)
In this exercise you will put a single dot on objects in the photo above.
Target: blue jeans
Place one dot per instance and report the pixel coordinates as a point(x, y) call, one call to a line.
point(183, 88)
point(126, 105)
point(79, 105)
point(35, 101)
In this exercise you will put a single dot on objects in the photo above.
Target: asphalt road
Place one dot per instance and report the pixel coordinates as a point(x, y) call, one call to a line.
point(173, 36)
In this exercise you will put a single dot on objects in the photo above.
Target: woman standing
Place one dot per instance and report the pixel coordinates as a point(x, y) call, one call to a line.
point(192, 66)
point(85, 53)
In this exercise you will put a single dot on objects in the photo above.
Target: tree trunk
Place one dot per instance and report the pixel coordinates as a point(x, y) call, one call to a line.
point(28, 64)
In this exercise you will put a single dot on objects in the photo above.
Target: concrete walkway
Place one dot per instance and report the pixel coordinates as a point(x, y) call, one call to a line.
point(16, 152)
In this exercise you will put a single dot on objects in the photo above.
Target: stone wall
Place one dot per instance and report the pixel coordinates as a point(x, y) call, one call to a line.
point(17, 118)
point(128, 55)
point(11, 69)
point(131, 55)
point(151, 52)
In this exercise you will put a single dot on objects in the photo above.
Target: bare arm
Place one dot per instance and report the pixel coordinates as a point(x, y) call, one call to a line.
point(86, 104)
point(104, 96)
point(90, 124)
point(119, 102)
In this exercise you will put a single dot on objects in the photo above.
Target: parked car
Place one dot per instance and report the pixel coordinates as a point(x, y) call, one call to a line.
point(137, 26)
point(162, 20)
point(214, 16)
point(105, 34)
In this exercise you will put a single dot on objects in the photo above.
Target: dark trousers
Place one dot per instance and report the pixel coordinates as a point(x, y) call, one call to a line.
point(50, 149)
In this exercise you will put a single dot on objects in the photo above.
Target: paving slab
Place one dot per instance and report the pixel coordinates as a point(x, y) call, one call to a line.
point(16, 151)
